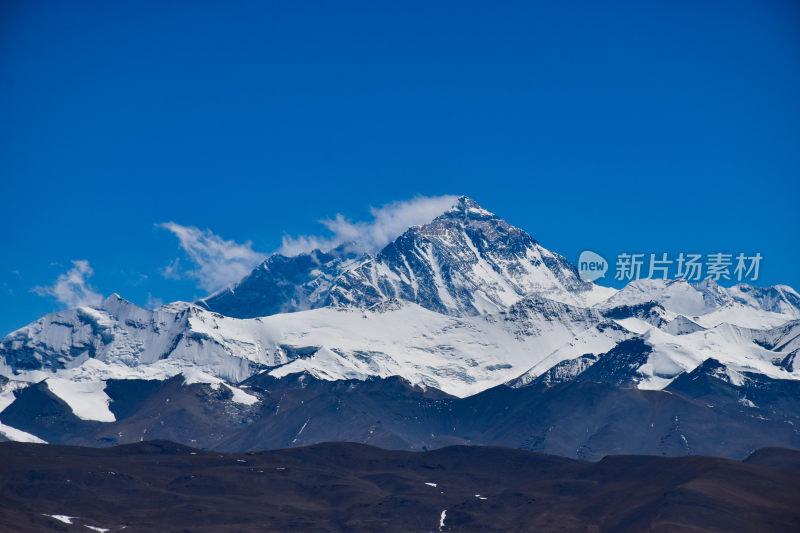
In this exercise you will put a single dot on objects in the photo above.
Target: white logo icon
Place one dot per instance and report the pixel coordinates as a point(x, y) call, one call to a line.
point(591, 266)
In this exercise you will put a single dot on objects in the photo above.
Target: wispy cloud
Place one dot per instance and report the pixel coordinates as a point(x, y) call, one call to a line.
point(72, 288)
point(153, 302)
point(217, 262)
point(173, 269)
point(388, 222)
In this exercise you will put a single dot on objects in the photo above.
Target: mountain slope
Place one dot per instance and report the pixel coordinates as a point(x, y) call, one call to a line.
point(160, 486)
point(282, 284)
point(461, 356)
point(465, 262)
point(710, 411)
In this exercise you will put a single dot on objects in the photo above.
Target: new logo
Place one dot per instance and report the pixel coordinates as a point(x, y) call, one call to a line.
point(591, 266)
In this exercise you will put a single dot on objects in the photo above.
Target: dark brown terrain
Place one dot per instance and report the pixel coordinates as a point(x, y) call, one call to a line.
point(161, 486)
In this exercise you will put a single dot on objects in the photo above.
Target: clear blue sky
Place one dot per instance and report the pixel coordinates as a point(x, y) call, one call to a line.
point(631, 126)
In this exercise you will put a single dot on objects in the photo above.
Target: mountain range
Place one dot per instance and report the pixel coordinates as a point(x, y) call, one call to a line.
point(464, 330)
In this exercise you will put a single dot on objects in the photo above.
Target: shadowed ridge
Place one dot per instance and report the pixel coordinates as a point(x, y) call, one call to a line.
point(785, 459)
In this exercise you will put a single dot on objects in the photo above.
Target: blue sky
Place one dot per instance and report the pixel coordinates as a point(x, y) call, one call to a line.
point(628, 127)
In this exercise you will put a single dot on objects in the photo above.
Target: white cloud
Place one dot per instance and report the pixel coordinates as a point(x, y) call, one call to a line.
point(388, 222)
point(72, 288)
point(217, 262)
point(173, 269)
point(152, 302)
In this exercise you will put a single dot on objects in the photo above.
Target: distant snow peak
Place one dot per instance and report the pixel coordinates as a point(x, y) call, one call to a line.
point(776, 299)
point(712, 301)
point(467, 208)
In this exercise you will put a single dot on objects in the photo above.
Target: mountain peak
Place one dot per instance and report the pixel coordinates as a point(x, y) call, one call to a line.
point(465, 207)
point(465, 262)
point(114, 300)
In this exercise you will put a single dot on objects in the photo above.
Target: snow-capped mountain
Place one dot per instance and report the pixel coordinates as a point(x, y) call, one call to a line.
point(465, 262)
point(282, 284)
point(778, 299)
point(678, 296)
point(462, 305)
point(708, 297)
point(120, 339)
point(459, 355)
